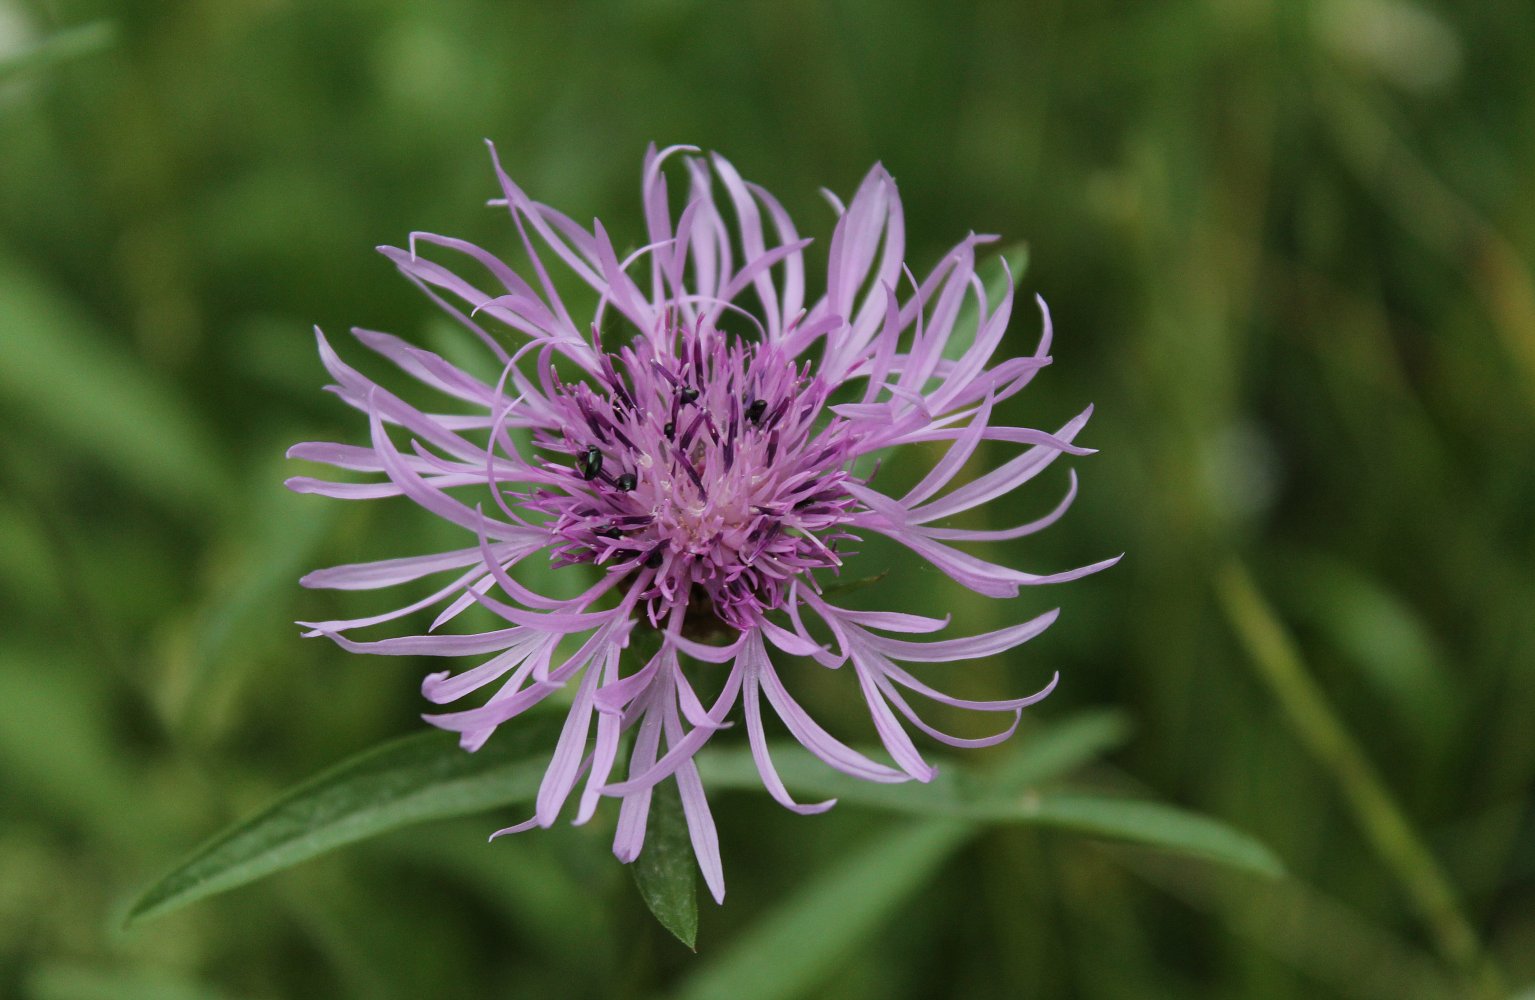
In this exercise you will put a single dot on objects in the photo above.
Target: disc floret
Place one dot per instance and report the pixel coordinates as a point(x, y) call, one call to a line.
point(709, 461)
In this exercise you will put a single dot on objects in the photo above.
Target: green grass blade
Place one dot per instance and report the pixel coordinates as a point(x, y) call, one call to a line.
point(1148, 824)
point(1278, 663)
point(798, 943)
point(421, 777)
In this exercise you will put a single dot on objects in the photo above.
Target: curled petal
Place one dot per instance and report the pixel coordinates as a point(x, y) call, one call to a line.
point(755, 664)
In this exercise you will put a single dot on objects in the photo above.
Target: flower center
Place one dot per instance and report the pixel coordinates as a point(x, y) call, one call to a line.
point(701, 460)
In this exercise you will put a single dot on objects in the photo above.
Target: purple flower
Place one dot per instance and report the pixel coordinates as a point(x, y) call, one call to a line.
point(710, 478)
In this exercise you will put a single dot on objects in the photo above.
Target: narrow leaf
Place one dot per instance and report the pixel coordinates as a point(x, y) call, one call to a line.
point(665, 871)
point(995, 796)
point(1044, 755)
point(421, 777)
point(1146, 823)
point(797, 944)
point(1064, 746)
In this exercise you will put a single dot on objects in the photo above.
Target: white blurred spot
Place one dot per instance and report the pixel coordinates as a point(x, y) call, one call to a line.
point(1398, 40)
point(1244, 472)
point(16, 31)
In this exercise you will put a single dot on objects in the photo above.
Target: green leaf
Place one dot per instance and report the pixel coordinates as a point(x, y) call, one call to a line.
point(665, 871)
point(71, 43)
point(994, 278)
point(1063, 746)
point(994, 797)
point(410, 780)
point(426, 776)
point(798, 943)
point(954, 792)
point(1146, 823)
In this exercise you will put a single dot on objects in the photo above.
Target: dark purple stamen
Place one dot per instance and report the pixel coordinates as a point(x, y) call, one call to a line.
point(594, 420)
point(624, 438)
point(687, 467)
point(664, 372)
point(687, 435)
point(714, 432)
point(620, 391)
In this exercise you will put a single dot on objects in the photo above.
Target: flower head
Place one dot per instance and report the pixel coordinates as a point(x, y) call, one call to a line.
point(710, 477)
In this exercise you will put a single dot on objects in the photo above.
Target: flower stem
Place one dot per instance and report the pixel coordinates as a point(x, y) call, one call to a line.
point(1278, 662)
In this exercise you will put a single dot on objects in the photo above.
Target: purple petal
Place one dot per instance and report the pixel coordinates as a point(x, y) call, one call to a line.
point(629, 838)
point(390, 572)
point(755, 664)
point(968, 648)
point(817, 740)
point(560, 777)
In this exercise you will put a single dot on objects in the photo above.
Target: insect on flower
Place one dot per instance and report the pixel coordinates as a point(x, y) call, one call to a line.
point(709, 479)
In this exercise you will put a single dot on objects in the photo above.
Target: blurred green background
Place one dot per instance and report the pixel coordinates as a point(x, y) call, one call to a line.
point(1288, 247)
